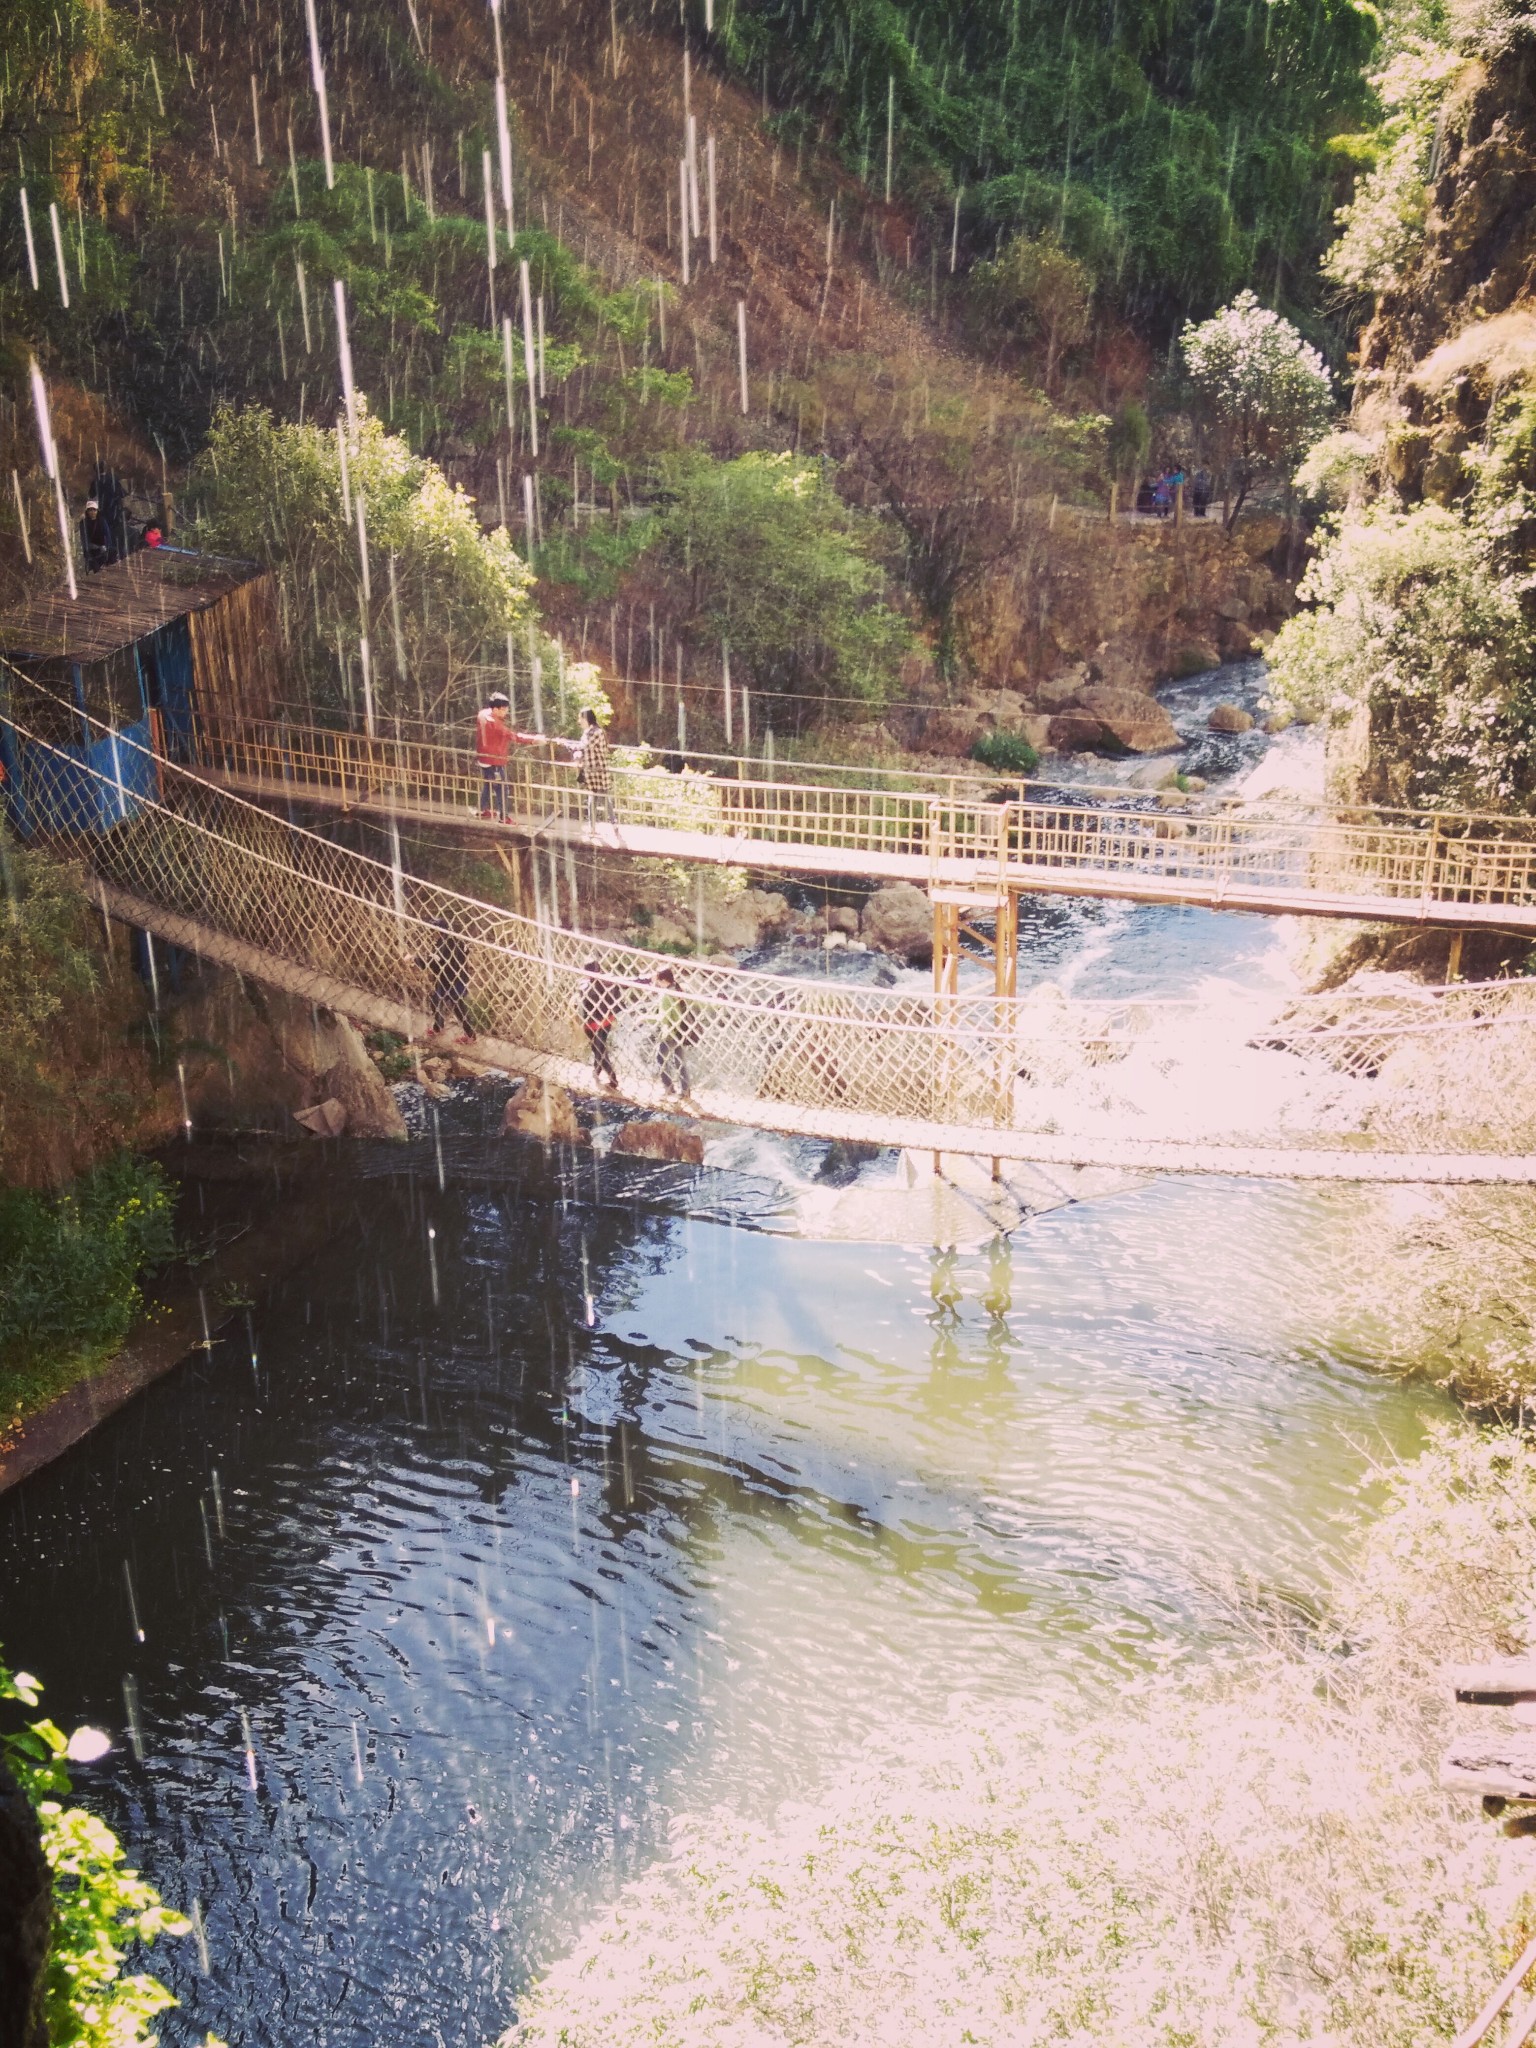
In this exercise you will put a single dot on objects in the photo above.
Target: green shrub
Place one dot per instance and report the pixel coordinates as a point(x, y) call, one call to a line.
point(71, 1264)
point(779, 567)
point(1009, 753)
point(99, 1906)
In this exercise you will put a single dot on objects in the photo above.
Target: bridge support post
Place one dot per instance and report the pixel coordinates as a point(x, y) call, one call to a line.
point(1005, 947)
point(946, 949)
point(1453, 965)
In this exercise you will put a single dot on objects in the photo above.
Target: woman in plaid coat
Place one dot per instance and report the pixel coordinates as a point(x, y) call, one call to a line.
point(595, 770)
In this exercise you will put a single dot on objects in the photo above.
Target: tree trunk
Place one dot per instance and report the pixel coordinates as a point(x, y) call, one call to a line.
point(26, 1919)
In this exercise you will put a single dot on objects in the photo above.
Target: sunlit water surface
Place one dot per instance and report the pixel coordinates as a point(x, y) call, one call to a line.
point(538, 1507)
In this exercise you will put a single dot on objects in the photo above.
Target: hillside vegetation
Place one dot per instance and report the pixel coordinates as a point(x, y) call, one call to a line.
point(957, 407)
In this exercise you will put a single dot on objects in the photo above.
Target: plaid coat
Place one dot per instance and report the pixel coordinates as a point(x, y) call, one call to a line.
point(596, 763)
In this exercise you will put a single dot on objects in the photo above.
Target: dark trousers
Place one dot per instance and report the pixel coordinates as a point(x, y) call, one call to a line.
point(602, 1059)
point(670, 1065)
point(493, 789)
point(450, 996)
point(594, 797)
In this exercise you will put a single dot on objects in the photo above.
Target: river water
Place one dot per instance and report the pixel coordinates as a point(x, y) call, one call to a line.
point(546, 1501)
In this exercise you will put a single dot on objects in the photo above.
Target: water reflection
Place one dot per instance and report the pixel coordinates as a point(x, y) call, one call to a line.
point(449, 1598)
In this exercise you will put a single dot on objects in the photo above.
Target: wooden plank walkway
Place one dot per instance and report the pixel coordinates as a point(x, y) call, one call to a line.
point(1458, 872)
point(967, 879)
point(913, 1133)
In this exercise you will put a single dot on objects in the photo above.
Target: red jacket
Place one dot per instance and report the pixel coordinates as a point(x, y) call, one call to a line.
point(493, 740)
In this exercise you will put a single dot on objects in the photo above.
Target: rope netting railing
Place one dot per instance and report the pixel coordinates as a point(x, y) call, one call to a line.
point(1360, 1086)
point(1399, 864)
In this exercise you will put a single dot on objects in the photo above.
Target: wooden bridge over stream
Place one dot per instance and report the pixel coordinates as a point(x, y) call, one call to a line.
point(1409, 1084)
point(960, 838)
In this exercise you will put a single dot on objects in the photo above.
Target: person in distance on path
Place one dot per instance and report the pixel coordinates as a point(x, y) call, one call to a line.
point(599, 1011)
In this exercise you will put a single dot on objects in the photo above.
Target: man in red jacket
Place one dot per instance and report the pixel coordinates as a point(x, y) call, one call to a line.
point(493, 744)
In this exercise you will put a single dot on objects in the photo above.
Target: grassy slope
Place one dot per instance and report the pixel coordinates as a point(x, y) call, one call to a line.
point(854, 359)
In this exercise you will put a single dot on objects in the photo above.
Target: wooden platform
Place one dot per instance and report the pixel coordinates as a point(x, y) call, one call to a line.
point(976, 882)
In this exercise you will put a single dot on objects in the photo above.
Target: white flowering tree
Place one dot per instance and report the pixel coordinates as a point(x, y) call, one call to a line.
point(1415, 649)
point(1382, 227)
point(1262, 394)
point(439, 595)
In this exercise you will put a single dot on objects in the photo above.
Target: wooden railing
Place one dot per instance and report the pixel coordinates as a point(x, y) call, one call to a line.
point(949, 833)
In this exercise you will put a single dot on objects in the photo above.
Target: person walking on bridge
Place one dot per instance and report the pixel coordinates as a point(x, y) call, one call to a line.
point(447, 968)
point(598, 1007)
point(676, 1031)
point(595, 769)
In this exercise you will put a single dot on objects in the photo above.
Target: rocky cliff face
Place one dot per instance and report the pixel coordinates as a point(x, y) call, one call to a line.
point(1479, 253)
point(1421, 652)
point(26, 1919)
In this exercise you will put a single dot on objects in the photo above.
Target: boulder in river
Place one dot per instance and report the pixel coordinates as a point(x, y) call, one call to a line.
point(366, 1099)
point(660, 1139)
point(326, 1119)
point(1059, 693)
point(1230, 718)
point(1194, 658)
point(1074, 732)
point(542, 1109)
point(1130, 719)
point(899, 919)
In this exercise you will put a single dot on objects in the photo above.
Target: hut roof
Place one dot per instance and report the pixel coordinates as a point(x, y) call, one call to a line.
point(119, 605)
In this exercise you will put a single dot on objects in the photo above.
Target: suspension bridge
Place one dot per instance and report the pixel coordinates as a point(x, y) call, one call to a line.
point(1413, 1084)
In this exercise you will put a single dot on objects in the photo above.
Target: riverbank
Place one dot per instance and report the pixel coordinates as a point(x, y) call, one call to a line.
point(52, 1403)
point(1256, 1852)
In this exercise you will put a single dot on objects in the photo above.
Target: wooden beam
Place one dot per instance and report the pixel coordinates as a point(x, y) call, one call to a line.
point(1497, 1766)
point(1502, 1682)
point(1514, 1977)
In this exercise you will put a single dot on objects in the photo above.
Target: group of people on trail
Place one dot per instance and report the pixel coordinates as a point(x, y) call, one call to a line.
point(495, 737)
point(446, 966)
point(1157, 495)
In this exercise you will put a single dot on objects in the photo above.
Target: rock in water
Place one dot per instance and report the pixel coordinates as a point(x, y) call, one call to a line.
point(899, 918)
point(1229, 718)
point(1074, 732)
point(660, 1140)
point(370, 1108)
point(1130, 719)
point(327, 1119)
point(1059, 693)
point(543, 1110)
